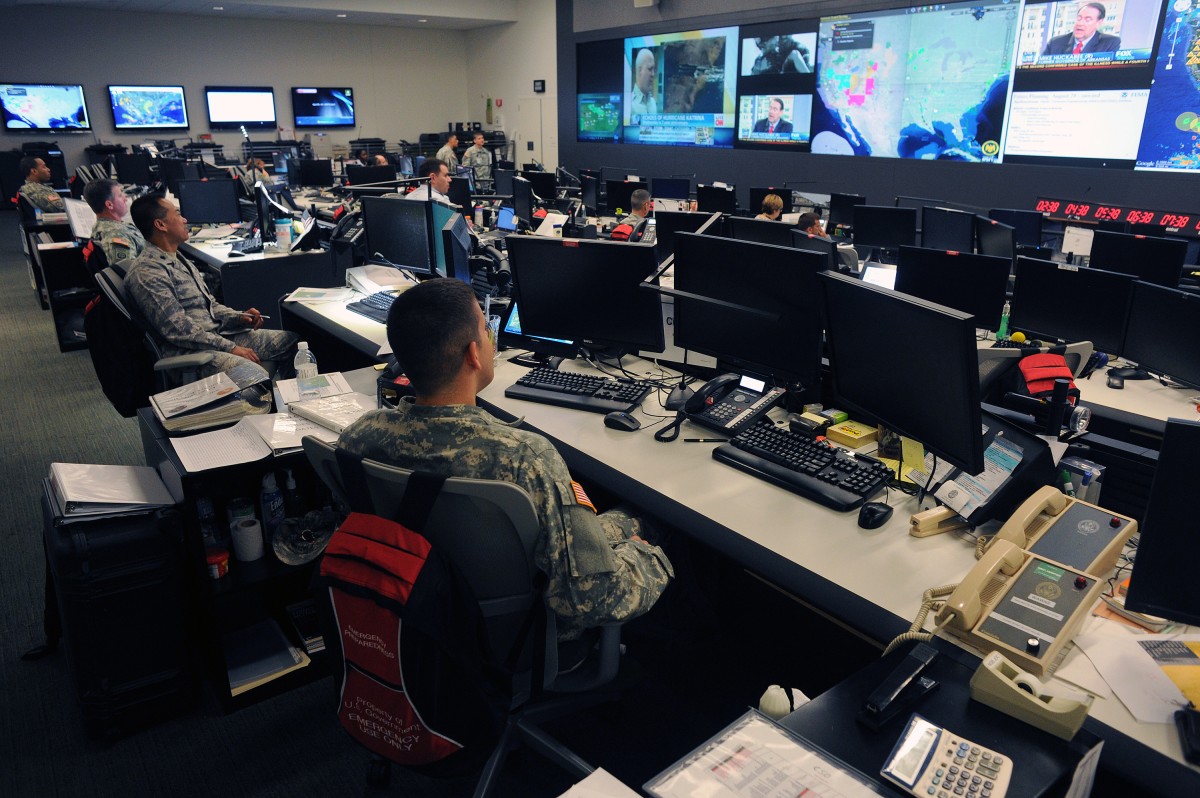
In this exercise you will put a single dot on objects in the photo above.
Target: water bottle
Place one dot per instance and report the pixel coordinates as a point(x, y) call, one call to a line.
point(272, 506)
point(293, 504)
point(305, 364)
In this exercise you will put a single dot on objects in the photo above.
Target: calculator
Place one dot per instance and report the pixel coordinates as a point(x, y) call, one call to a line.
point(933, 762)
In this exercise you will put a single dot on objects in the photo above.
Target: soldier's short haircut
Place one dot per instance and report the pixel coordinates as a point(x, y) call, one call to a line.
point(98, 192)
point(639, 199)
point(145, 210)
point(28, 164)
point(429, 327)
point(430, 166)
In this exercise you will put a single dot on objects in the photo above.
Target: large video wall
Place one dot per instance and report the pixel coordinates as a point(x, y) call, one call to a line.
point(1112, 84)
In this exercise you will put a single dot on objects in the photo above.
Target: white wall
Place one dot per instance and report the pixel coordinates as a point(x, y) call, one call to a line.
point(504, 61)
point(406, 82)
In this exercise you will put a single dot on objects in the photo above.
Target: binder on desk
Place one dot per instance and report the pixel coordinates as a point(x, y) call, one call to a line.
point(82, 489)
point(335, 412)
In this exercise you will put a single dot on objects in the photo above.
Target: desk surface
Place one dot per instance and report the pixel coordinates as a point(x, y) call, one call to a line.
point(870, 580)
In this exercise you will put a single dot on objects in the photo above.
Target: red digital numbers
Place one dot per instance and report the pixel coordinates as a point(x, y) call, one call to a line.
point(1077, 209)
point(1106, 213)
point(1140, 217)
point(1047, 206)
point(1174, 220)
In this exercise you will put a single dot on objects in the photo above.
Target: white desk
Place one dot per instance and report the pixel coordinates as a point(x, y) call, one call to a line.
point(1146, 399)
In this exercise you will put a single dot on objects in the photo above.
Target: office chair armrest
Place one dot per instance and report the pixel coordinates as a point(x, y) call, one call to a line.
point(598, 669)
point(192, 361)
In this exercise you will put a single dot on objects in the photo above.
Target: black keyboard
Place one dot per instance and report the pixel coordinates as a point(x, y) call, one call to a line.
point(816, 471)
point(579, 391)
point(374, 307)
point(1009, 344)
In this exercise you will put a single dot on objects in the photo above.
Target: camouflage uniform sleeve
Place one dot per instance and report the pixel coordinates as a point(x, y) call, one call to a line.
point(597, 575)
point(153, 290)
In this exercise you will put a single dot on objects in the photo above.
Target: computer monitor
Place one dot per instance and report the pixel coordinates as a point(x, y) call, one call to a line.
point(315, 173)
point(1155, 260)
point(782, 342)
point(923, 384)
point(974, 284)
point(522, 199)
point(1028, 224)
point(716, 199)
point(439, 214)
point(208, 201)
point(505, 219)
point(267, 208)
point(1162, 331)
point(589, 193)
point(884, 227)
point(995, 238)
point(513, 337)
point(366, 175)
point(545, 184)
point(760, 231)
point(943, 228)
point(841, 209)
point(618, 194)
point(587, 291)
point(133, 169)
point(757, 194)
point(918, 203)
point(502, 181)
point(456, 244)
point(669, 223)
point(1058, 301)
point(679, 188)
point(460, 194)
point(1162, 581)
point(171, 170)
point(398, 233)
point(808, 242)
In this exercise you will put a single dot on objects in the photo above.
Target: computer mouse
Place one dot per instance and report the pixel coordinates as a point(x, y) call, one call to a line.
point(235, 254)
point(619, 419)
point(1115, 381)
point(873, 515)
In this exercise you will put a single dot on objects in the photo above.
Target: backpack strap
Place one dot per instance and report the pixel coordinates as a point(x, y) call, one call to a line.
point(416, 505)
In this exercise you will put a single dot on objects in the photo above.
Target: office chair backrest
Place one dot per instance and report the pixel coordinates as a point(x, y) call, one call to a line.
point(26, 209)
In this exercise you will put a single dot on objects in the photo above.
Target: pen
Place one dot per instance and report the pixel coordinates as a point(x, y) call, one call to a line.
point(706, 440)
point(263, 316)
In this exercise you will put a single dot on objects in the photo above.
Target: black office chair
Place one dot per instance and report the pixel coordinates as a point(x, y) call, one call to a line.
point(489, 530)
point(26, 210)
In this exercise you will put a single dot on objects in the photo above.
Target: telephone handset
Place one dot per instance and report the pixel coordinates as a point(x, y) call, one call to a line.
point(730, 403)
point(961, 611)
point(1068, 530)
point(349, 227)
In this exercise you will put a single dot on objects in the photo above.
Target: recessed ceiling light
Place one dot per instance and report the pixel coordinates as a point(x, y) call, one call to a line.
point(422, 20)
point(218, 8)
point(341, 16)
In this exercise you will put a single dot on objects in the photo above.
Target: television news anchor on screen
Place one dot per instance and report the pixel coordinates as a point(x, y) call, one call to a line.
point(1085, 37)
point(772, 123)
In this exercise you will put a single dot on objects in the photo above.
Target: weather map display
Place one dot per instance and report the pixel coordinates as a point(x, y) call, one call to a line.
point(148, 107)
point(925, 82)
point(1170, 138)
point(599, 117)
point(43, 106)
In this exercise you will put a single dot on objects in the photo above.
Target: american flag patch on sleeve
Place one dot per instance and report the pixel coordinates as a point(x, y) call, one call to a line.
point(581, 496)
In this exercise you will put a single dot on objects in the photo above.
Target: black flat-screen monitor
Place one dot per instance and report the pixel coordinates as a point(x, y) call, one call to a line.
point(460, 194)
point(1163, 579)
point(316, 173)
point(716, 199)
point(522, 199)
point(679, 188)
point(943, 228)
point(323, 107)
point(545, 184)
point(148, 107)
point(399, 233)
point(235, 107)
point(133, 168)
point(668, 223)
point(923, 384)
point(918, 203)
point(618, 194)
point(760, 231)
point(208, 201)
point(808, 242)
point(513, 337)
point(974, 284)
point(1057, 301)
point(587, 291)
point(456, 244)
point(589, 193)
point(995, 238)
point(172, 170)
point(1155, 260)
point(1163, 330)
point(1028, 224)
point(502, 180)
point(366, 175)
point(757, 194)
point(841, 209)
point(44, 107)
point(884, 226)
point(782, 342)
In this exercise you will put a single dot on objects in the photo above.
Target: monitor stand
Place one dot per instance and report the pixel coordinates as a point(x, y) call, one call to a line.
point(531, 360)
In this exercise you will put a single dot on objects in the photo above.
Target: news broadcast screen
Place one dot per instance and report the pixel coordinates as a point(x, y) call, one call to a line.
point(775, 86)
point(681, 88)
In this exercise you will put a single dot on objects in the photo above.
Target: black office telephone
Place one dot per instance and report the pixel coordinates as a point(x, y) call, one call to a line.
point(731, 402)
point(348, 228)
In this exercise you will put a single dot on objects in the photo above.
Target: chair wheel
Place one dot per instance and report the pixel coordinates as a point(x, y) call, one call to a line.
point(379, 772)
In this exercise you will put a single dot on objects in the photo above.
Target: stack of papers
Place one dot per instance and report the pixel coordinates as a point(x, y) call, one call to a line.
point(85, 490)
point(212, 401)
point(335, 412)
point(258, 654)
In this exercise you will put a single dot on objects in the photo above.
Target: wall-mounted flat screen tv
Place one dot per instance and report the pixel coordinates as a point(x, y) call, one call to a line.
point(148, 107)
point(323, 107)
point(44, 106)
point(233, 107)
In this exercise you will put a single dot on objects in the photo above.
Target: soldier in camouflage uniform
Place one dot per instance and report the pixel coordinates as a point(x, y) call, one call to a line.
point(600, 567)
point(120, 242)
point(172, 297)
point(37, 189)
point(478, 158)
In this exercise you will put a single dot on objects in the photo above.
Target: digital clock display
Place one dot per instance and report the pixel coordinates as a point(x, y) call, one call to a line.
point(1175, 223)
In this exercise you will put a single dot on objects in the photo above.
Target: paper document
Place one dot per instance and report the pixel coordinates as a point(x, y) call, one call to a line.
point(331, 384)
point(320, 295)
point(601, 784)
point(240, 443)
point(1149, 673)
point(285, 432)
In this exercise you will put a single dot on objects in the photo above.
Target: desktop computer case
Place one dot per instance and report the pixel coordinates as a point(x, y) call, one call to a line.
point(118, 588)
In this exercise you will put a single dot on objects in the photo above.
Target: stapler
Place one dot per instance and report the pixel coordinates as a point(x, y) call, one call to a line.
point(901, 690)
point(935, 521)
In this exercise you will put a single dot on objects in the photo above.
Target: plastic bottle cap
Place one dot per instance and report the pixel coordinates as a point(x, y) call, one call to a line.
point(291, 480)
point(269, 481)
point(303, 345)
